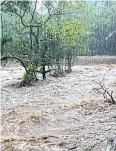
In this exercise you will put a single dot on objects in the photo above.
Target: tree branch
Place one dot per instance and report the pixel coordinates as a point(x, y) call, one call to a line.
point(106, 92)
point(11, 57)
point(2, 3)
point(33, 12)
point(21, 17)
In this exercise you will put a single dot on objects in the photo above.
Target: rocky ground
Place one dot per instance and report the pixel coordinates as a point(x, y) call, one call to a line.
point(60, 114)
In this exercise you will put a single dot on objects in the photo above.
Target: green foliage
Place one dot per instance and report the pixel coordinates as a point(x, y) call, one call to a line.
point(26, 77)
point(6, 38)
point(64, 30)
point(12, 6)
point(17, 42)
point(103, 24)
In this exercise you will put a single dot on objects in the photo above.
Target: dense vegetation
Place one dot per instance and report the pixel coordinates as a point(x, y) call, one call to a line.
point(49, 35)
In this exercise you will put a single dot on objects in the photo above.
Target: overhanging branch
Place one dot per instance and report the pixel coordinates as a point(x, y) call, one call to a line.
point(11, 57)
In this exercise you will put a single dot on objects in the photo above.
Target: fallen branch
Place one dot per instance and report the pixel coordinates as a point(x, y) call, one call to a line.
point(106, 92)
point(74, 147)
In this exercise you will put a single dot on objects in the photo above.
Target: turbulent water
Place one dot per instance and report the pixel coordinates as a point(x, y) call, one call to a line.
point(59, 114)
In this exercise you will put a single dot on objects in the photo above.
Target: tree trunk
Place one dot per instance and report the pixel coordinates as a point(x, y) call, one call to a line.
point(69, 59)
point(58, 64)
point(43, 72)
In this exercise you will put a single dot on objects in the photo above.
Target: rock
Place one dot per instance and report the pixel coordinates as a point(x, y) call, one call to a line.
point(58, 74)
point(111, 145)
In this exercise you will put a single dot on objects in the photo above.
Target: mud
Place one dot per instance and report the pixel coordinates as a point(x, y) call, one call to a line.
point(59, 114)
